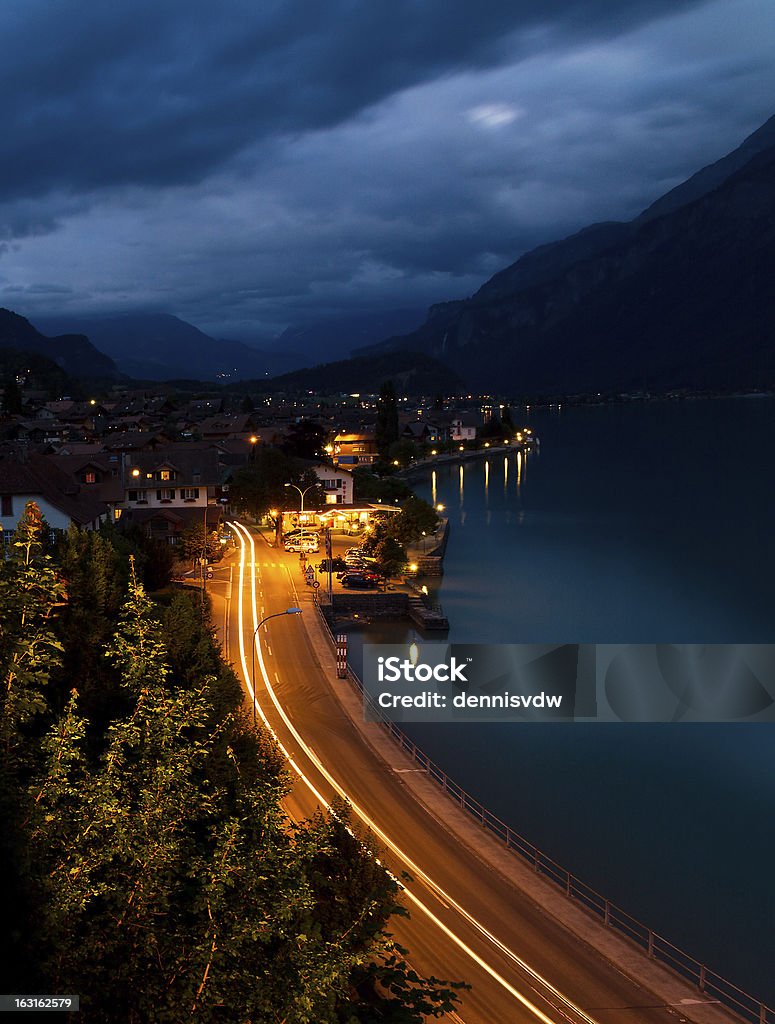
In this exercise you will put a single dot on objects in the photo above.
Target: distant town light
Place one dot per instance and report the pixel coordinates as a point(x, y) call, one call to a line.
point(434, 452)
point(462, 448)
point(135, 472)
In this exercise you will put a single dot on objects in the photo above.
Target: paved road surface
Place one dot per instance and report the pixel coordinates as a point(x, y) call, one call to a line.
point(467, 921)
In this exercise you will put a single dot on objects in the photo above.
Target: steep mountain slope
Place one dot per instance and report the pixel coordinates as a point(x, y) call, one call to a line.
point(74, 353)
point(677, 298)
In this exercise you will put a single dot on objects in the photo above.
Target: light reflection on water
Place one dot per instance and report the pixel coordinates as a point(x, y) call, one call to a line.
point(622, 533)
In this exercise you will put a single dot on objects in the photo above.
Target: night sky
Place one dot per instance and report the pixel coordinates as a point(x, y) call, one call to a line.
point(251, 165)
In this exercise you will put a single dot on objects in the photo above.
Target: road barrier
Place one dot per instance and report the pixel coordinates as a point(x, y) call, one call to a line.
point(656, 947)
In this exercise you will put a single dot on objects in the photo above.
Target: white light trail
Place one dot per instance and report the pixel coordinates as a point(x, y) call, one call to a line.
point(441, 894)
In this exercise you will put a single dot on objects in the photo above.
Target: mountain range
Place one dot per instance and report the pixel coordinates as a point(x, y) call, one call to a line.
point(73, 353)
point(158, 346)
point(679, 297)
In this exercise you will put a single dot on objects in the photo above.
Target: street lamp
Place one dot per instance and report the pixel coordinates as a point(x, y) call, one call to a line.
point(301, 509)
point(275, 615)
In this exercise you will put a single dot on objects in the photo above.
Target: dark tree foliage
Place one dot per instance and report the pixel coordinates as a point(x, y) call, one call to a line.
point(391, 557)
point(305, 440)
point(369, 487)
point(492, 428)
point(416, 518)
point(387, 418)
point(148, 861)
point(260, 486)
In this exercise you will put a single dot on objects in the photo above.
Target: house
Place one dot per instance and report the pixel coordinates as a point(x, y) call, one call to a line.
point(96, 472)
point(169, 489)
point(421, 431)
point(337, 484)
point(355, 449)
point(463, 428)
point(61, 500)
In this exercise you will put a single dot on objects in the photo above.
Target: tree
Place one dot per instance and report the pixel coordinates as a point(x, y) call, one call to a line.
point(150, 857)
point(403, 452)
point(390, 556)
point(196, 542)
point(304, 440)
point(387, 418)
point(30, 589)
point(367, 486)
point(416, 518)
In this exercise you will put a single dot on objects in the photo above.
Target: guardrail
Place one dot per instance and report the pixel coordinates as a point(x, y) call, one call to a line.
point(656, 946)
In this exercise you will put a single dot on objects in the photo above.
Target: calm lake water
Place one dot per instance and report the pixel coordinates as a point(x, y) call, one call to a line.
point(644, 523)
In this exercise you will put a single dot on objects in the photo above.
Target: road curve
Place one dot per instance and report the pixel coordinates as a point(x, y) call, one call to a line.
point(467, 921)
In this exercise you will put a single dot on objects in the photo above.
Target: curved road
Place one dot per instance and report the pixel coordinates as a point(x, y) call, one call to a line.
point(467, 921)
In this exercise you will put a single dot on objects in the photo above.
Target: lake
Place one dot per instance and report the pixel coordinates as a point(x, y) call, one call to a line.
point(634, 523)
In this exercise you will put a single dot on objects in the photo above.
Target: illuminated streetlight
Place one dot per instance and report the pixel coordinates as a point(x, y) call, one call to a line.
point(288, 611)
point(301, 507)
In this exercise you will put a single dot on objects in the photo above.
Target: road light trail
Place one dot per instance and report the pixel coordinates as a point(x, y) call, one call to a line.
point(444, 897)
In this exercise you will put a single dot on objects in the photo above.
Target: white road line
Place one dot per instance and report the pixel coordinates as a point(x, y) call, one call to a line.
point(413, 867)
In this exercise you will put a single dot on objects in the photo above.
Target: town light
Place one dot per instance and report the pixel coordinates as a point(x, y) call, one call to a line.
point(135, 472)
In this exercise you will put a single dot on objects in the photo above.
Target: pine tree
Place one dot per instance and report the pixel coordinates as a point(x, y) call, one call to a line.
point(30, 590)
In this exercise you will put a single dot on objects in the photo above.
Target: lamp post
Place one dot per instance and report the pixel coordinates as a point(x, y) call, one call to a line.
point(301, 509)
point(275, 615)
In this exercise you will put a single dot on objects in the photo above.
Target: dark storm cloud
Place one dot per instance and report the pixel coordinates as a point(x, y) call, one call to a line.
point(261, 164)
point(148, 93)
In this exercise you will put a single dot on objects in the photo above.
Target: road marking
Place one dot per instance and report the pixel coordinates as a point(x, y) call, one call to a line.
point(439, 892)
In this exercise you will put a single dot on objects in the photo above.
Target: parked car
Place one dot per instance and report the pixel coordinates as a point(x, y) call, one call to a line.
point(310, 544)
point(359, 581)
